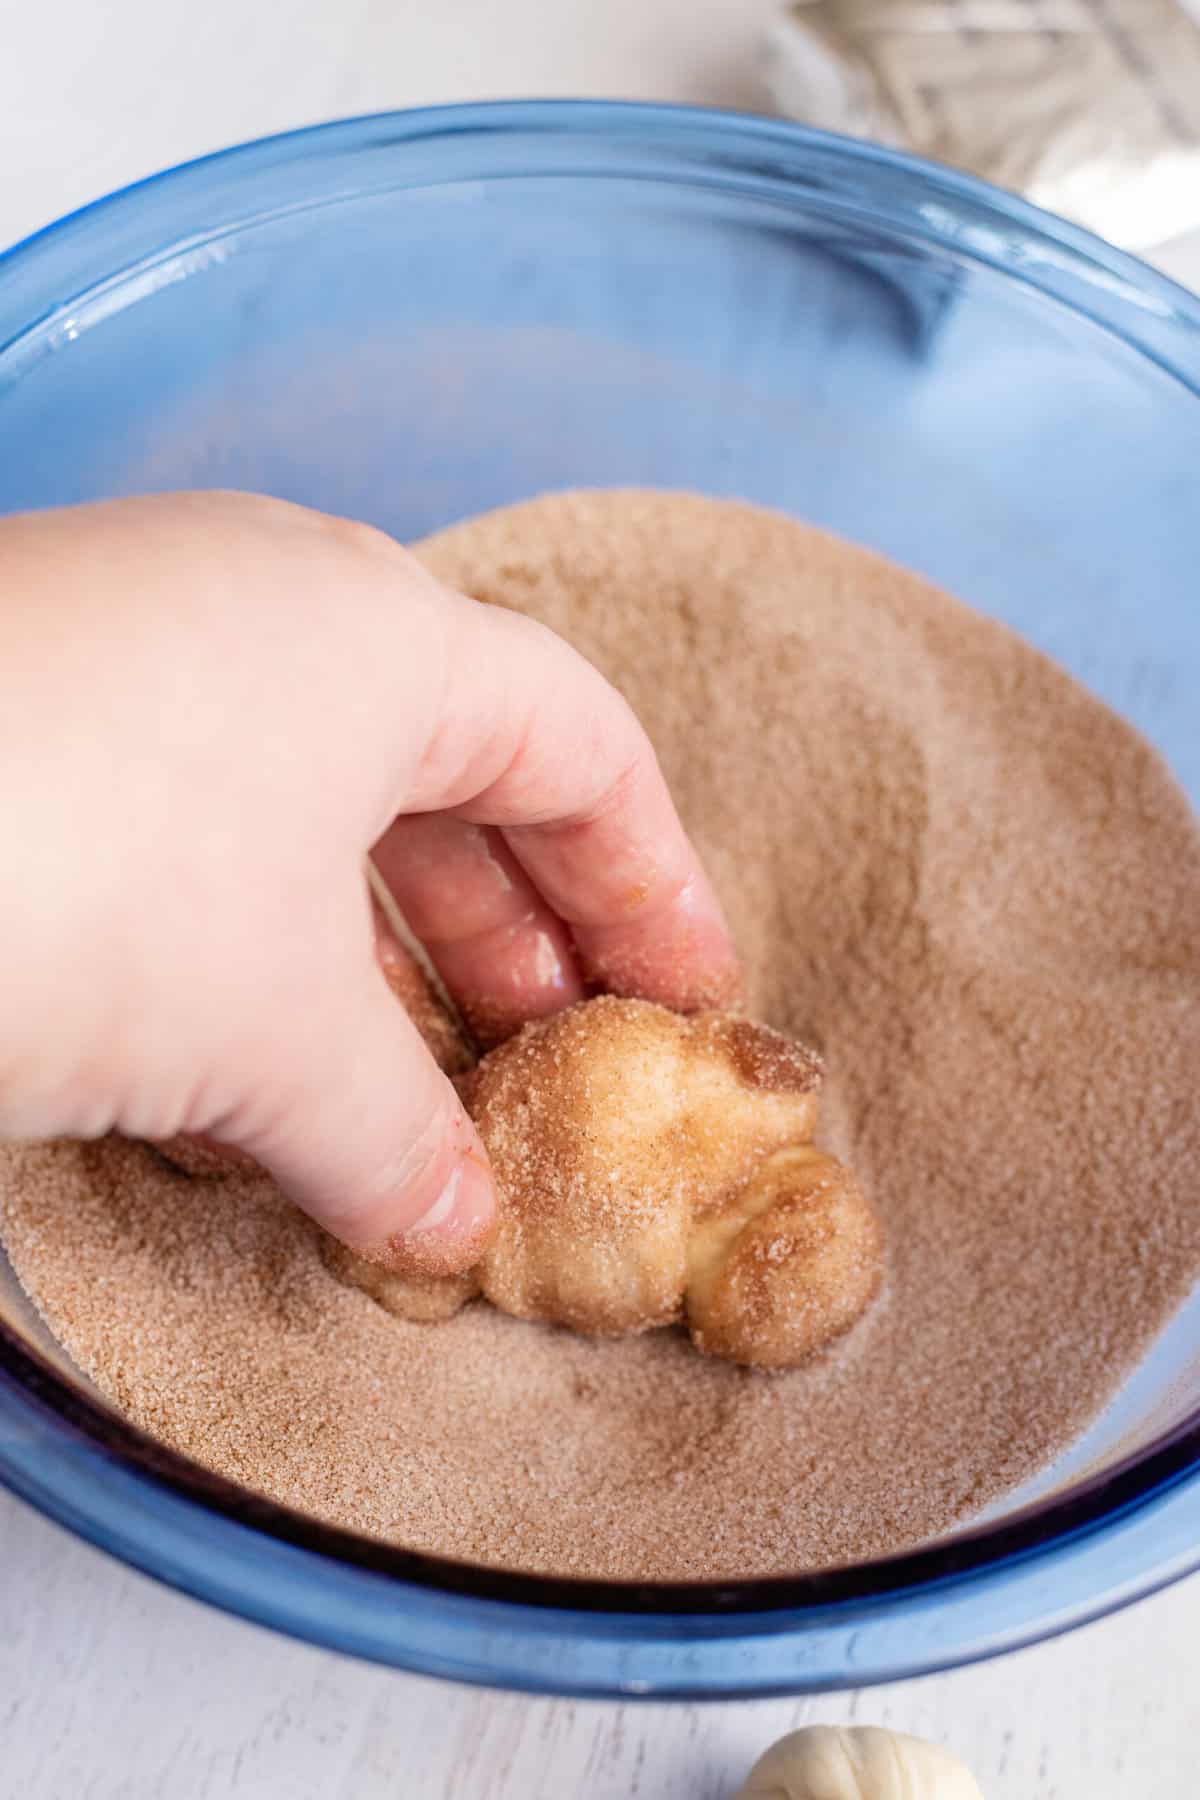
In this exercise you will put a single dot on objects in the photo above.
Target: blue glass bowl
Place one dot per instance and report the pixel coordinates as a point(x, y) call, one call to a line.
point(415, 317)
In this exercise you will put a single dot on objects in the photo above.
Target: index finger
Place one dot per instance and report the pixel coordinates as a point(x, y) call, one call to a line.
point(626, 878)
point(537, 743)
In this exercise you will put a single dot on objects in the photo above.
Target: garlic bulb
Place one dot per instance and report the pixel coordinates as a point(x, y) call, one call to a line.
point(863, 1762)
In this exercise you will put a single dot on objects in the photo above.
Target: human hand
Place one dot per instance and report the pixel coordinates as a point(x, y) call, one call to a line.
point(214, 707)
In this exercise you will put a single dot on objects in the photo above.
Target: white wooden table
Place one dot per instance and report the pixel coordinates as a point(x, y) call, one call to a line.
point(114, 1689)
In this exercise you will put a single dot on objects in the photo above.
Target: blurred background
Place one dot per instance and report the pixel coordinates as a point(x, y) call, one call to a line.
point(96, 95)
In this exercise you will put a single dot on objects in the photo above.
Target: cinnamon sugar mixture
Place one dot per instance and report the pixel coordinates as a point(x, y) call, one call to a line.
point(965, 881)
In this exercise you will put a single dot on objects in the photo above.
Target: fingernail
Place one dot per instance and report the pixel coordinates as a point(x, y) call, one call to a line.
point(456, 1229)
point(442, 1208)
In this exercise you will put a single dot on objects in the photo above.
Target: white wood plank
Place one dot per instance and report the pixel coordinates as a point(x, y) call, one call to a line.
point(112, 1688)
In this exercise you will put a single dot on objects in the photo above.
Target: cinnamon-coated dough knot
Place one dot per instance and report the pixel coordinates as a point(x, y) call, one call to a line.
point(652, 1168)
point(608, 1127)
point(789, 1263)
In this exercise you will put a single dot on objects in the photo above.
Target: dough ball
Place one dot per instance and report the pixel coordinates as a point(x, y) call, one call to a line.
point(425, 1299)
point(610, 1126)
point(789, 1263)
point(651, 1168)
point(860, 1762)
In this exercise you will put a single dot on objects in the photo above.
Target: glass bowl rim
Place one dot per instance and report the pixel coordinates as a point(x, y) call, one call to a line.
point(979, 223)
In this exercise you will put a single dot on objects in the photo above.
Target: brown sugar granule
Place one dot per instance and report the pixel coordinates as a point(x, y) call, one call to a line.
point(972, 887)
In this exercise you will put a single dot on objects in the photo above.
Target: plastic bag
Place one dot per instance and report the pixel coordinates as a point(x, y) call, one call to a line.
point(1088, 107)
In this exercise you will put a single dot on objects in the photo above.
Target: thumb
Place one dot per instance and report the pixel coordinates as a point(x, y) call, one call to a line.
point(365, 1133)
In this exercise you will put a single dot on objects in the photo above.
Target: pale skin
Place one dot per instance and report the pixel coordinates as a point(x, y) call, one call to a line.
point(214, 708)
